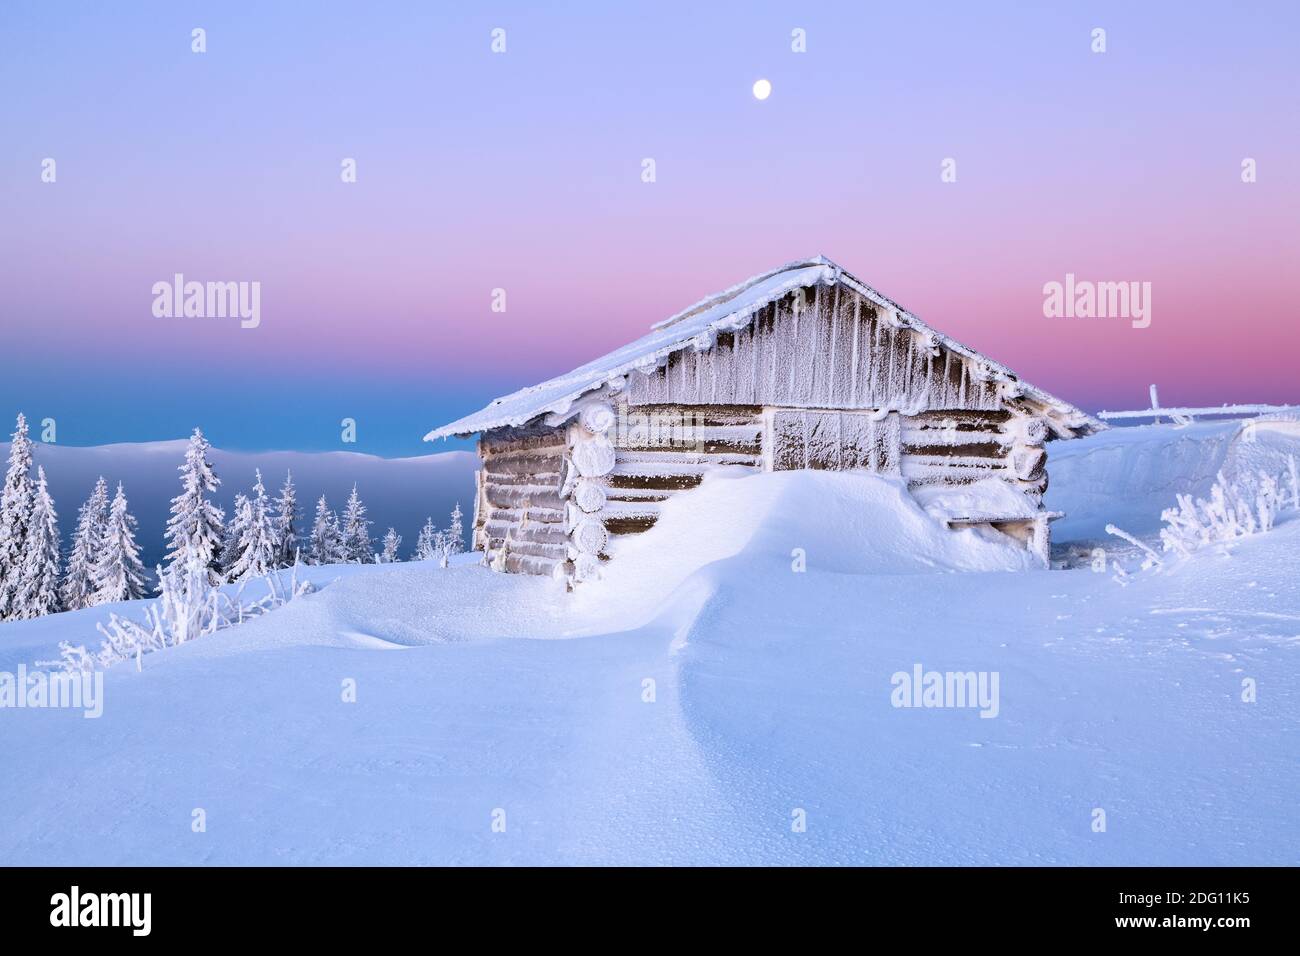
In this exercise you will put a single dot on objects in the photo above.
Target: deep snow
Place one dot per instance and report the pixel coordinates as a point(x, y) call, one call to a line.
point(1127, 476)
point(772, 693)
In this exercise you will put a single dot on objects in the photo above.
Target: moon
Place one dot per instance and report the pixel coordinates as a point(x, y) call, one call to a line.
point(762, 89)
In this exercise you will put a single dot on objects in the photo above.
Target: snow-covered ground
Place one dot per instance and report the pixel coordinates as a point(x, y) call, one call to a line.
point(772, 641)
point(1127, 476)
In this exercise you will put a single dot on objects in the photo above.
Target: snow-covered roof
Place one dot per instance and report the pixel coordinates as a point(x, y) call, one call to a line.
point(697, 327)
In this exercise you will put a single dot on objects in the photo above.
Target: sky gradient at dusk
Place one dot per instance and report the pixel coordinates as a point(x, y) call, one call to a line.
point(522, 171)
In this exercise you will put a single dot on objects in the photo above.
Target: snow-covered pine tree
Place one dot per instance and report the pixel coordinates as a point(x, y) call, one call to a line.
point(119, 573)
point(16, 502)
point(326, 546)
point(38, 579)
point(455, 533)
point(196, 523)
point(448, 543)
point(425, 543)
point(256, 547)
point(87, 540)
point(241, 516)
point(358, 548)
point(392, 541)
point(285, 523)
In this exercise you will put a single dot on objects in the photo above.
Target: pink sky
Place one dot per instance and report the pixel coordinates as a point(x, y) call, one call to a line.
point(522, 171)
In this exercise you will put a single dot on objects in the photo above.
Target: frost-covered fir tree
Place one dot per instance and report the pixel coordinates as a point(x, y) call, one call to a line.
point(449, 542)
point(195, 524)
point(455, 533)
point(358, 548)
point(285, 523)
point(119, 572)
point(256, 548)
point(16, 502)
point(78, 586)
point(392, 541)
point(241, 514)
point(38, 579)
point(326, 546)
point(426, 543)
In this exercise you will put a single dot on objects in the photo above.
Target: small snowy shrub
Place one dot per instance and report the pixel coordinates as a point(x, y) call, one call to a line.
point(1152, 559)
point(189, 607)
point(1233, 510)
point(1248, 505)
point(444, 546)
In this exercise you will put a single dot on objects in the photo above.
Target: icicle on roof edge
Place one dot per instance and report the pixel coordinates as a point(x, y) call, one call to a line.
point(698, 326)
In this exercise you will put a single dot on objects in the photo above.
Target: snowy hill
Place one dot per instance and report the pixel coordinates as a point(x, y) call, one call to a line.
point(1127, 476)
point(694, 708)
point(400, 492)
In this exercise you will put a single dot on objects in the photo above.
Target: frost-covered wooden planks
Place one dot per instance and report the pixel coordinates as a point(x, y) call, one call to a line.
point(821, 348)
point(834, 441)
point(665, 449)
point(956, 447)
point(519, 516)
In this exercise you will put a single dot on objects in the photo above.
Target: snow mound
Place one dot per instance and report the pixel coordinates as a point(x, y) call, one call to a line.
point(1128, 476)
point(990, 497)
point(382, 607)
point(843, 523)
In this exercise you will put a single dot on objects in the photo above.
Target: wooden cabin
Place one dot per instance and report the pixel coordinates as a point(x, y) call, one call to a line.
point(801, 367)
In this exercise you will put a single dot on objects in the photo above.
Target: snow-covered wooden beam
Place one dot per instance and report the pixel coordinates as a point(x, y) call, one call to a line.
point(1190, 413)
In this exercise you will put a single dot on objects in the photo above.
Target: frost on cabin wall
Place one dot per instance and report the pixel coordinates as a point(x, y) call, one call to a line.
point(591, 458)
point(838, 351)
point(835, 441)
point(542, 496)
point(518, 520)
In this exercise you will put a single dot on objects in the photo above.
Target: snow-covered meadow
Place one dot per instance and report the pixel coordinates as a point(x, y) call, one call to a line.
point(728, 701)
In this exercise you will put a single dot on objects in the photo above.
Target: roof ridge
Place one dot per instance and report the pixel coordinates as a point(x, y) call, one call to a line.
point(717, 298)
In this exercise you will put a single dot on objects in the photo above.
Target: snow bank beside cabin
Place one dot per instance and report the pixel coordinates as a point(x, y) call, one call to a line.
point(1128, 476)
point(833, 521)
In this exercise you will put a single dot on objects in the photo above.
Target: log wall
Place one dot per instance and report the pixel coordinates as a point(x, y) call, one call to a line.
point(518, 500)
point(665, 449)
point(956, 447)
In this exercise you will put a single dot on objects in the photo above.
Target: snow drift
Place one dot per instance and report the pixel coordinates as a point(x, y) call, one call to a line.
point(1128, 476)
point(845, 522)
point(708, 691)
point(778, 524)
